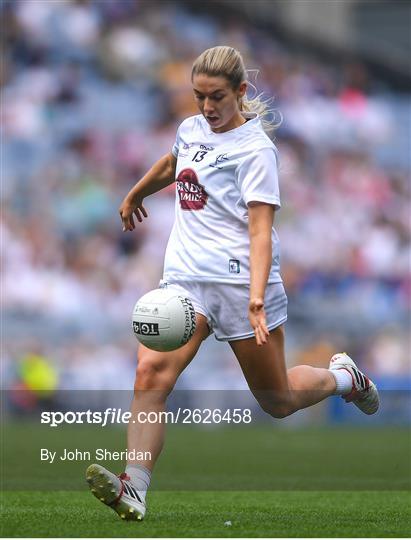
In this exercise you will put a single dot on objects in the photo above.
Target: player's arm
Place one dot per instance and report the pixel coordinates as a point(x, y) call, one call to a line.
point(260, 223)
point(161, 174)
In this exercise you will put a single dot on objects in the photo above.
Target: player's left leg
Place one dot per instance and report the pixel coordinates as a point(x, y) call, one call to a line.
point(280, 392)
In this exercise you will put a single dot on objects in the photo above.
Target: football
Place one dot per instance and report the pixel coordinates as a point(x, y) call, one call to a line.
point(163, 320)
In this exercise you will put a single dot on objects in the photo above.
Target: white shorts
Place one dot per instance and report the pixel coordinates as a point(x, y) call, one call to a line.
point(226, 306)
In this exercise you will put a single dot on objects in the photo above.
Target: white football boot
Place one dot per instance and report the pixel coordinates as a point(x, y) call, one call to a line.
point(364, 393)
point(117, 492)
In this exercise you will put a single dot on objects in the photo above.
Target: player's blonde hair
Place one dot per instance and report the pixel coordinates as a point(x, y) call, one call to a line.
point(227, 62)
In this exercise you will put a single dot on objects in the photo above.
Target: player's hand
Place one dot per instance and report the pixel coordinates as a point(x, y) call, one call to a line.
point(256, 315)
point(130, 207)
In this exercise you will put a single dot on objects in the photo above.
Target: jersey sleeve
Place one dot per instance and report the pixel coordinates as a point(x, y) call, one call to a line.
point(257, 177)
point(176, 144)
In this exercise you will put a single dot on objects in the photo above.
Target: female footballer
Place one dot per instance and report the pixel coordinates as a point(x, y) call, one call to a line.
point(223, 253)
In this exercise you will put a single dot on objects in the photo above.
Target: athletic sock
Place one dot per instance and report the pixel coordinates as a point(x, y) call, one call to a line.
point(140, 477)
point(343, 381)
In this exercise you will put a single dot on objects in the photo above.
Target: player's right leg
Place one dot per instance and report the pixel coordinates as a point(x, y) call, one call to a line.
point(156, 375)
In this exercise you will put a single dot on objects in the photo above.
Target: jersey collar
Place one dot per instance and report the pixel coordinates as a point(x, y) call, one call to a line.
point(252, 118)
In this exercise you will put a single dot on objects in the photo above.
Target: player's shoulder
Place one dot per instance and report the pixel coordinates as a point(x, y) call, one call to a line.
point(257, 145)
point(260, 142)
point(190, 123)
point(253, 138)
point(259, 150)
point(255, 131)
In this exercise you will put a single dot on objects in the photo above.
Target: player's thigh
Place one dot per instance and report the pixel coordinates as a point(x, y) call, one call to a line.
point(155, 368)
point(264, 367)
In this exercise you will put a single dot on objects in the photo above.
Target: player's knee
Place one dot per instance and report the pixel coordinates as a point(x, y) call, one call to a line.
point(281, 411)
point(278, 409)
point(153, 375)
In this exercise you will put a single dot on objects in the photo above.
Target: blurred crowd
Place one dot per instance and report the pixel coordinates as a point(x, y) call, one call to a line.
point(92, 94)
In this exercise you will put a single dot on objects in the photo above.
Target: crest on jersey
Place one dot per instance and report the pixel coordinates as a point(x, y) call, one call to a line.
point(192, 194)
point(219, 161)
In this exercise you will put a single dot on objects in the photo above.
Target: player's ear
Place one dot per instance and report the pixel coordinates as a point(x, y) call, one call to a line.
point(242, 89)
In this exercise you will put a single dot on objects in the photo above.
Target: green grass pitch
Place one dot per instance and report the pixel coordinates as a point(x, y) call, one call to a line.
point(266, 481)
point(193, 514)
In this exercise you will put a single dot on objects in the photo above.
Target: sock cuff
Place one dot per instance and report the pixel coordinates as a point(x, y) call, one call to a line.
point(140, 477)
point(141, 468)
point(343, 381)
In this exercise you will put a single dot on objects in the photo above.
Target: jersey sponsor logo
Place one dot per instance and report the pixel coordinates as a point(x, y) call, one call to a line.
point(192, 194)
point(219, 161)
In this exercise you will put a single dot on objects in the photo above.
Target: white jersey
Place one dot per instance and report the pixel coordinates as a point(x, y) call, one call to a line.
point(217, 175)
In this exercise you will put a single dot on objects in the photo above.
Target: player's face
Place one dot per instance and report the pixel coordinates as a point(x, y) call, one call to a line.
point(218, 102)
